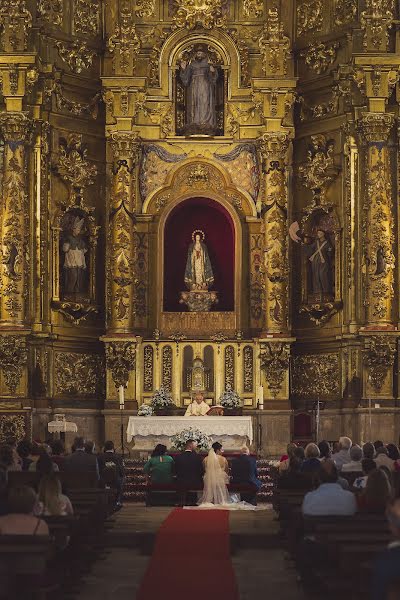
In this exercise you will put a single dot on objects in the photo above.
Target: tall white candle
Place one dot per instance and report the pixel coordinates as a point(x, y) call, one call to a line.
point(121, 396)
point(261, 397)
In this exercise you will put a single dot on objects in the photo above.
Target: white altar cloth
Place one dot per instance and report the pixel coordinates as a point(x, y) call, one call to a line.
point(169, 426)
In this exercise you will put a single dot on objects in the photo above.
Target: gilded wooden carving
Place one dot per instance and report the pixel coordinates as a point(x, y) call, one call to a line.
point(13, 360)
point(379, 356)
point(120, 360)
point(274, 360)
point(167, 363)
point(78, 374)
point(229, 367)
point(316, 376)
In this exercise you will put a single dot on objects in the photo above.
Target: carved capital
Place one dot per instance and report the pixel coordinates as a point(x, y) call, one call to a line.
point(13, 358)
point(125, 145)
point(16, 128)
point(120, 360)
point(273, 146)
point(375, 127)
point(274, 359)
point(379, 356)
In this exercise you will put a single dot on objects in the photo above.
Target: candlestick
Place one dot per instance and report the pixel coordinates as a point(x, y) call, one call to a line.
point(121, 396)
point(261, 397)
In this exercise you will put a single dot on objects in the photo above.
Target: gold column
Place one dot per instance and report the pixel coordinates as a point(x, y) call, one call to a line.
point(273, 149)
point(377, 224)
point(16, 129)
point(121, 240)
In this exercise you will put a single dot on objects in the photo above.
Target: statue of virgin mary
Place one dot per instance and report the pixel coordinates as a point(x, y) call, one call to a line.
point(198, 273)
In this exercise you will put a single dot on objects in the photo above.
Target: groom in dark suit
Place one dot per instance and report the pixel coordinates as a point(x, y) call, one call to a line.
point(244, 472)
point(189, 469)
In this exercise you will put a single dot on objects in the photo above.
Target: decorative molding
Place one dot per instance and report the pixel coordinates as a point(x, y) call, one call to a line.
point(13, 359)
point(310, 17)
point(321, 312)
point(248, 369)
point(145, 8)
point(86, 17)
point(345, 12)
point(77, 55)
point(229, 361)
point(379, 353)
point(274, 360)
point(320, 170)
point(124, 44)
point(274, 45)
point(253, 8)
point(74, 169)
point(120, 360)
point(13, 426)
point(376, 21)
point(15, 25)
point(375, 127)
point(167, 368)
point(148, 368)
point(316, 376)
point(320, 56)
point(78, 374)
point(193, 13)
point(52, 11)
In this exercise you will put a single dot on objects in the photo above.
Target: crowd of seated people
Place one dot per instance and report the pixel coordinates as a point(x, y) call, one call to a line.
point(339, 481)
point(186, 469)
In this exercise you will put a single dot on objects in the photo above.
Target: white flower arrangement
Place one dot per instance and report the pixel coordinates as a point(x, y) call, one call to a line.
point(203, 440)
point(145, 410)
point(161, 399)
point(229, 398)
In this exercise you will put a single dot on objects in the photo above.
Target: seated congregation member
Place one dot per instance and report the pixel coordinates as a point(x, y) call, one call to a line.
point(369, 450)
point(44, 465)
point(293, 478)
point(80, 460)
point(24, 449)
point(368, 465)
point(382, 458)
point(197, 408)
point(244, 472)
point(377, 493)
point(354, 466)
point(378, 444)
point(90, 447)
point(159, 468)
point(343, 456)
point(112, 470)
point(325, 452)
point(329, 499)
point(311, 462)
point(285, 458)
point(386, 571)
point(58, 453)
point(394, 455)
point(51, 500)
point(189, 469)
point(7, 459)
point(20, 520)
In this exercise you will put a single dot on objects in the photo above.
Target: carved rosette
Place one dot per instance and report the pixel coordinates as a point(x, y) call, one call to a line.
point(379, 356)
point(377, 223)
point(274, 45)
point(121, 233)
point(13, 359)
point(16, 130)
point(120, 360)
point(274, 360)
point(273, 150)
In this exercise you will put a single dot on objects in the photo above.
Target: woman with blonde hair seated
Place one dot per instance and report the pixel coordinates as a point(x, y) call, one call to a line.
point(52, 501)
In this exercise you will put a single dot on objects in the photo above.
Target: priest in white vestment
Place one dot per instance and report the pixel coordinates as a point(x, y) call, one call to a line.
point(198, 408)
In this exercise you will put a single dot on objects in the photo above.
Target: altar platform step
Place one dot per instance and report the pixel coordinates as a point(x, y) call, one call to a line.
point(135, 486)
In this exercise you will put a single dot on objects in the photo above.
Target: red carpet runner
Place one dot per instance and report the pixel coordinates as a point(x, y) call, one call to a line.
point(191, 559)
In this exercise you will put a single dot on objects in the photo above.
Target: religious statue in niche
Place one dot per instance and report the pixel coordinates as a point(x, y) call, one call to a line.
point(199, 92)
point(199, 276)
point(320, 254)
point(74, 249)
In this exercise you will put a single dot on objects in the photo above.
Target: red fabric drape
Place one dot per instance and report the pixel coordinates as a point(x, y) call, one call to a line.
point(214, 220)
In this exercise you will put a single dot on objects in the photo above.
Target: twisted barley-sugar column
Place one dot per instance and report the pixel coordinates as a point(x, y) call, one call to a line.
point(121, 241)
point(377, 222)
point(16, 131)
point(273, 149)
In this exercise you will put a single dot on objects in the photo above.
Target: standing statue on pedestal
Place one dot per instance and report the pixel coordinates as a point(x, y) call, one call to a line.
point(199, 79)
point(320, 254)
point(74, 248)
point(198, 273)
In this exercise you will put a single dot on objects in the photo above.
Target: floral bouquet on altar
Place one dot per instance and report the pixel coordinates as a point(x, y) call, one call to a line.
point(145, 410)
point(229, 399)
point(161, 402)
point(203, 440)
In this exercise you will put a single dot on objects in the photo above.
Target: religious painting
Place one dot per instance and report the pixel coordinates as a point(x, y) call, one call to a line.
point(74, 254)
point(199, 257)
point(199, 92)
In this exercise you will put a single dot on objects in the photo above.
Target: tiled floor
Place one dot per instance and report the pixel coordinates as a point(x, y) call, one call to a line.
point(259, 563)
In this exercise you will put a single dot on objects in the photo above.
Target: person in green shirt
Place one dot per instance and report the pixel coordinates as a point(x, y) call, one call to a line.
point(159, 468)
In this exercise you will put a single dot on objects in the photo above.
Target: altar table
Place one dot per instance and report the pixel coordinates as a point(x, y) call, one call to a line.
point(148, 431)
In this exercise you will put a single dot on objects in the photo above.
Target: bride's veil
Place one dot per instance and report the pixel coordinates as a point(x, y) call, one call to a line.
point(215, 490)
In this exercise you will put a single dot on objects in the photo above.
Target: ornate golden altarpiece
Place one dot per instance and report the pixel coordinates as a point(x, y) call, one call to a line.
point(96, 156)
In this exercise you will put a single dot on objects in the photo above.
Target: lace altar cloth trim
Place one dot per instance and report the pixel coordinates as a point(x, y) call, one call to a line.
point(169, 426)
point(61, 426)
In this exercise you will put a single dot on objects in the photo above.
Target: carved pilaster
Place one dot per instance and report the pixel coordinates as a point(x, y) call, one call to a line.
point(273, 150)
point(376, 20)
point(121, 223)
point(15, 24)
point(274, 45)
point(120, 360)
point(377, 224)
point(13, 359)
point(16, 130)
point(124, 44)
point(274, 361)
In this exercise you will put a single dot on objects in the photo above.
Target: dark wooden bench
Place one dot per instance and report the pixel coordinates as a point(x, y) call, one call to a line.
point(177, 494)
point(69, 480)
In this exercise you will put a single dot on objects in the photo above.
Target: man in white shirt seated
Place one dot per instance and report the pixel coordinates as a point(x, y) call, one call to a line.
point(329, 498)
point(343, 456)
point(197, 408)
point(354, 466)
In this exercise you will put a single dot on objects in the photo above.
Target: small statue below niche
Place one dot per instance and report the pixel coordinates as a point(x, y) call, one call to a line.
point(199, 276)
point(74, 248)
point(199, 92)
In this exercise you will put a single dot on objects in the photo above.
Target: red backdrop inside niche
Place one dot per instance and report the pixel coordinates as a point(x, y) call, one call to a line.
point(215, 221)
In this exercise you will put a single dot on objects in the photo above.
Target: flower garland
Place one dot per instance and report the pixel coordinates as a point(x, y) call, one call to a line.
point(203, 440)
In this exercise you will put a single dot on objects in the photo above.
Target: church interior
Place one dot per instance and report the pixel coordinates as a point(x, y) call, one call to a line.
point(200, 198)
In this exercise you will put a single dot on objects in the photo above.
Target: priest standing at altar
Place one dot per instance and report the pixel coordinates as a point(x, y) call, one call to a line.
point(197, 408)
